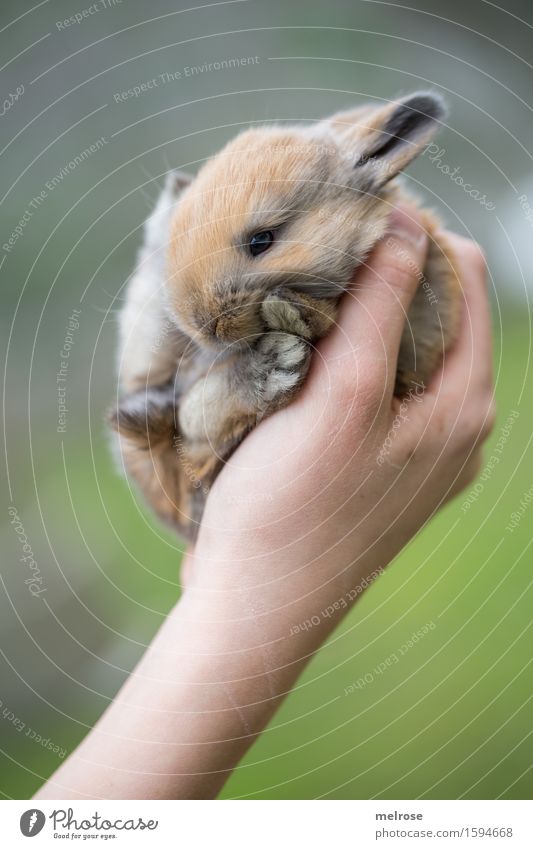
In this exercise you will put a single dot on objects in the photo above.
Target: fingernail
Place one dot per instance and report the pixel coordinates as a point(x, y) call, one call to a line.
point(403, 224)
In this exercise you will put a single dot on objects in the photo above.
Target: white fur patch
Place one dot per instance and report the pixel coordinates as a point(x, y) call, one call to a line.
point(279, 381)
point(291, 352)
point(205, 408)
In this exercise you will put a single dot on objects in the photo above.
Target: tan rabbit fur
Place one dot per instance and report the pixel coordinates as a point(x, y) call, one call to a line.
point(215, 337)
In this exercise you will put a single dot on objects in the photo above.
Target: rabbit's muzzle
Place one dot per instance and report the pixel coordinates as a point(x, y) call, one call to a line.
point(234, 324)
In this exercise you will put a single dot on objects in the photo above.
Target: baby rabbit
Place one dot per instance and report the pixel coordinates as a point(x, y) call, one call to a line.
point(241, 272)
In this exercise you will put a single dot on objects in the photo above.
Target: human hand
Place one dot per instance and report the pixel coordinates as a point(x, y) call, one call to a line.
point(326, 493)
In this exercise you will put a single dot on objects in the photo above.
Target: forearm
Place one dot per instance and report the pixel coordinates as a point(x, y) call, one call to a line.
point(193, 706)
point(226, 656)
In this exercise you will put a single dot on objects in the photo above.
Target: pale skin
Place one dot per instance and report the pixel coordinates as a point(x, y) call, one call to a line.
point(301, 516)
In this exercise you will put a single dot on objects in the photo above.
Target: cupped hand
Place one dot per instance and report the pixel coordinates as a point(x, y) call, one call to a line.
point(325, 493)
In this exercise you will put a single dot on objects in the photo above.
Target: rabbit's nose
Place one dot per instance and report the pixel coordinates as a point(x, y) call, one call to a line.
point(212, 326)
point(235, 324)
point(225, 324)
point(220, 328)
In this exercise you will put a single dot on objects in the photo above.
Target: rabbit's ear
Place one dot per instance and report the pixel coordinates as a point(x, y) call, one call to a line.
point(384, 140)
point(177, 181)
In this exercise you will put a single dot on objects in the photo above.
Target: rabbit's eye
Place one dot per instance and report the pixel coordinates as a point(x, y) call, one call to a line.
point(260, 242)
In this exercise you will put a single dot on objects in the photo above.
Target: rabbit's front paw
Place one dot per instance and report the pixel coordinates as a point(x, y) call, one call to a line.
point(281, 362)
point(285, 311)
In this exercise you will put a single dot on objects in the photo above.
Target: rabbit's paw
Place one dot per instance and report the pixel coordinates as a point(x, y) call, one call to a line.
point(284, 310)
point(281, 362)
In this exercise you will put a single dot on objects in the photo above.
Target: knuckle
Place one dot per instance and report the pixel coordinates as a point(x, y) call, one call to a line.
point(467, 432)
point(489, 420)
point(476, 257)
point(446, 431)
point(461, 427)
point(476, 425)
point(472, 469)
point(442, 425)
point(399, 269)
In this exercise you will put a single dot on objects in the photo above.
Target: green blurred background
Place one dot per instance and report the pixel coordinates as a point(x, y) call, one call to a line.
point(453, 718)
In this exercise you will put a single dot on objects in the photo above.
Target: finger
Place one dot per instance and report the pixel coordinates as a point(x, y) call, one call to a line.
point(467, 474)
point(187, 568)
point(373, 312)
point(459, 401)
point(467, 366)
